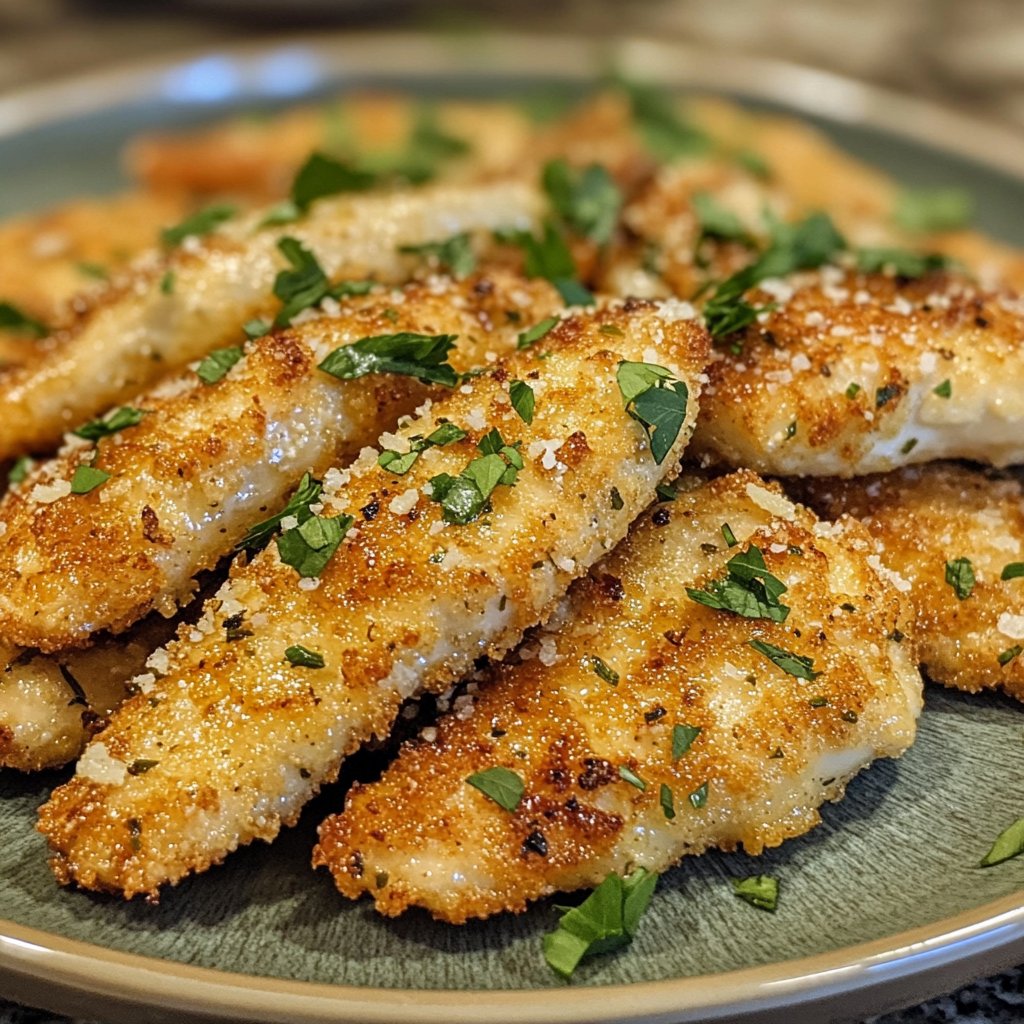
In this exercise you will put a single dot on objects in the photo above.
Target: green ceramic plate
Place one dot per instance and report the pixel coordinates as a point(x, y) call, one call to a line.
point(881, 905)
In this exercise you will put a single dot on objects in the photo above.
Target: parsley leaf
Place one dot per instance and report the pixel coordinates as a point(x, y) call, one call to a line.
point(900, 262)
point(715, 221)
point(455, 253)
point(413, 355)
point(96, 271)
point(729, 536)
point(87, 478)
point(303, 657)
point(795, 664)
point(960, 576)
point(1012, 571)
point(666, 134)
point(215, 366)
point(523, 400)
point(303, 286)
point(1009, 843)
point(322, 176)
point(538, 331)
point(200, 223)
point(20, 470)
point(943, 390)
point(462, 498)
point(549, 257)
point(400, 463)
point(1005, 657)
point(604, 671)
point(298, 504)
point(308, 548)
point(667, 801)
point(683, 736)
point(656, 400)
point(934, 209)
point(606, 920)
point(14, 319)
point(760, 891)
point(112, 423)
point(628, 775)
point(588, 201)
point(502, 785)
point(699, 797)
point(749, 589)
point(167, 282)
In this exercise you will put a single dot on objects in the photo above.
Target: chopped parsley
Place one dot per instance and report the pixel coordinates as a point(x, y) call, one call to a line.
point(455, 253)
point(167, 282)
point(667, 801)
point(255, 328)
point(900, 262)
point(14, 319)
point(142, 765)
point(399, 463)
point(535, 333)
point(615, 499)
point(664, 130)
point(885, 394)
point(322, 176)
point(502, 785)
point(943, 390)
point(666, 492)
point(934, 209)
point(603, 671)
point(215, 366)
point(550, 257)
point(523, 400)
point(87, 478)
point(1005, 657)
point(308, 547)
point(795, 664)
point(422, 356)
point(21, 469)
point(200, 223)
point(112, 423)
point(606, 920)
point(753, 162)
point(305, 495)
point(303, 286)
point(730, 537)
point(1012, 571)
point(761, 891)
point(1009, 843)
point(683, 736)
point(303, 657)
point(96, 271)
point(462, 498)
point(588, 201)
point(960, 576)
point(715, 221)
point(699, 797)
point(628, 775)
point(656, 400)
point(749, 589)
point(853, 391)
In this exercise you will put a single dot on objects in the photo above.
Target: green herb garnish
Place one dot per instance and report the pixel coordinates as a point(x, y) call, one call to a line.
point(730, 537)
point(900, 262)
point(943, 390)
point(14, 319)
point(665, 132)
point(1012, 571)
point(1009, 843)
point(305, 495)
point(308, 548)
point(715, 221)
point(795, 664)
point(87, 478)
point(96, 271)
point(1005, 657)
point(853, 391)
point(400, 463)
point(699, 797)
point(413, 355)
point(885, 394)
point(588, 201)
point(656, 400)
point(463, 498)
point(761, 891)
point(549, 257)
point(628, 775)
point(667, 801)
point(603, 671)
point(167, 282)
point(200, 223)
point(455, 253)
point(749, 589)
point(523, 400)
point(322, 176)
point(682, 738)
point(112, 423)
point(538, 331)
point(21, 469)
point(303, 657)
point(960, 576)
point(606, 920)
point(934, 209)
point(215, 366)
point(502, 785)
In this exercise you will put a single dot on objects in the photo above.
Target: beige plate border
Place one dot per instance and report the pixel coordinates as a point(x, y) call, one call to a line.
point(75, 977)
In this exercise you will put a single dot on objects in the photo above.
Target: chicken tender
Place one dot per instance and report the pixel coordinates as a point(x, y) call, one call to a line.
point(176, 307)
point(954, 539)
point(454, 547)
point(51, 705)
point(849, 373)
point(643, 725)
point(207, 460)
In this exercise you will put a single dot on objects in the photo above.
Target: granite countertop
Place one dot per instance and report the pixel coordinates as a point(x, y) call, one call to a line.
point(964, 55)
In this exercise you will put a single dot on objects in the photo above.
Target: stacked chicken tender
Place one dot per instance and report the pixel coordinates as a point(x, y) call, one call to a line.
point(416, 427)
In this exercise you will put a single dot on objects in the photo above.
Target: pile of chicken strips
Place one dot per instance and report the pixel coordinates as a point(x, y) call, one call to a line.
point(663, 446)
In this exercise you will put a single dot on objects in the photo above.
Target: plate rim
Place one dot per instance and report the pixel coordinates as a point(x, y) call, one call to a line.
point(903, 966)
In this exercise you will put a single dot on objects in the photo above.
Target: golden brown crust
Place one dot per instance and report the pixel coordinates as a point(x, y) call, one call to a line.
point(771, 747)
point(406, 602)
point(207, 461)
point(924, 517)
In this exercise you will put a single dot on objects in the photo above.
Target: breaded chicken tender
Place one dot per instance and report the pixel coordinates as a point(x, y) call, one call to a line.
point(849, 373)
point(644, 726)
point(205, 461)
point(454, 547)
point(175, 307)
point(954, 540)
point(51, 705)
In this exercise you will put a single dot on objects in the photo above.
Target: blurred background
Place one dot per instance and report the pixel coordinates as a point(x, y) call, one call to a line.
point(967, 54)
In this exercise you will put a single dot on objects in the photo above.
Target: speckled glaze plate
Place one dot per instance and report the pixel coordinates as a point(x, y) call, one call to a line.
point(881, 905)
